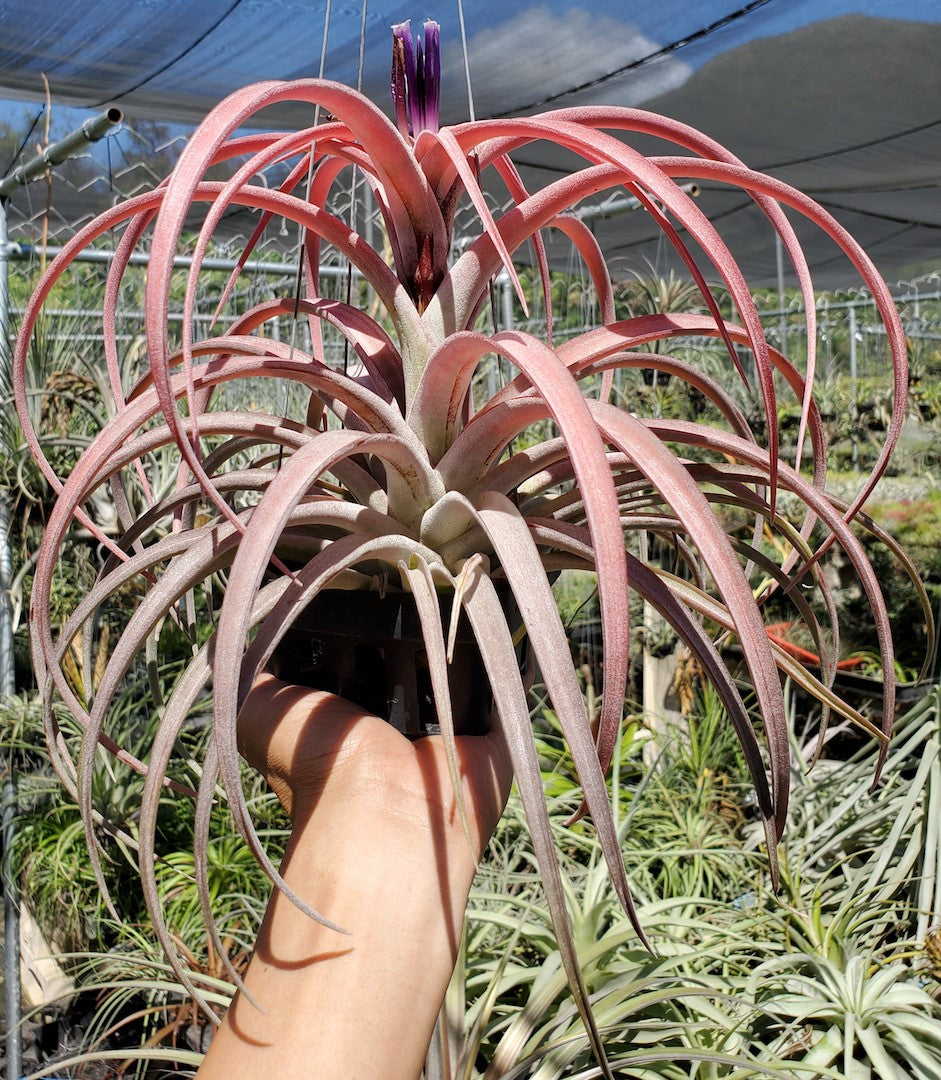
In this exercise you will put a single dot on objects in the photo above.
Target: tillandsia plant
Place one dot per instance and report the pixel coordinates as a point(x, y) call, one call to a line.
point(396, 474)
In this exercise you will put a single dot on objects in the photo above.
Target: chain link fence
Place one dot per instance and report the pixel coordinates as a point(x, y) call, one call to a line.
point(852, 384)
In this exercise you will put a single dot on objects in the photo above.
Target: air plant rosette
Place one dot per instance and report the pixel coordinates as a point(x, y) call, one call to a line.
point(397, 474)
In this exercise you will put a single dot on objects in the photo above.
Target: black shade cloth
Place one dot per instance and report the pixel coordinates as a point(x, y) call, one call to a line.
point(840, 97)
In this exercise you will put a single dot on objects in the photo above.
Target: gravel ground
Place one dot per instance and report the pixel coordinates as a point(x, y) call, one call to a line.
point(889, 488)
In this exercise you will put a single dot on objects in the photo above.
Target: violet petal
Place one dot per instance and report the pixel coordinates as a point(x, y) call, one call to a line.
point(403, 73)
point(432, 73)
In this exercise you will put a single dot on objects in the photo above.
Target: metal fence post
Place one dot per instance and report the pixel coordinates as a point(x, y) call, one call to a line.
point(8, 802)
point(854, 408)
point(11, 899)
point(90, 131)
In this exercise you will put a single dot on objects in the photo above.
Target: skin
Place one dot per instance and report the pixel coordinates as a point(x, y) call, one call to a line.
point(379, 847)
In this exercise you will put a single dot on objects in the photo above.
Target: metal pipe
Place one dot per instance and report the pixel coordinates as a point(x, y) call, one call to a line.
point(142, 258)
point(494, 368)
point(8, 798)
point(11, 930)
point(506, 298)
point(57, 152)
point(854, 410)
point(622, 205)
point(7, 667)
point(782, 320)
point(4, 301)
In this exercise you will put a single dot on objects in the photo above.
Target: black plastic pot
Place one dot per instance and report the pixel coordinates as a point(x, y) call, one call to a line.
point(369, 648)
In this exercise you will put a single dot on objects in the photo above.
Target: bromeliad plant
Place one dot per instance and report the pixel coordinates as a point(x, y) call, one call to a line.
point(397, 474)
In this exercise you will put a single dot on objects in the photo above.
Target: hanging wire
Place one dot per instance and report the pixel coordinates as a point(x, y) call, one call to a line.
point(362, 48)
point(852, 148)
point(301, 229)
point(112, 231)
point(354, 181)
point(472, 116)
point(26, 138)
point(110, 166)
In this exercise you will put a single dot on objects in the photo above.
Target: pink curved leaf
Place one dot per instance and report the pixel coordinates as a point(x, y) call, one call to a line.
point(514, 545)
point(496, 647)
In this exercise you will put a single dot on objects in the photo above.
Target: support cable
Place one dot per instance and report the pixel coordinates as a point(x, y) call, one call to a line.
point(176, 59)
point(467, 75)
point(665, 50)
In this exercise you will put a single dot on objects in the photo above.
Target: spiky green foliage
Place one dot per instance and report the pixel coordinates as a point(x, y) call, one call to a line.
point(837, 975)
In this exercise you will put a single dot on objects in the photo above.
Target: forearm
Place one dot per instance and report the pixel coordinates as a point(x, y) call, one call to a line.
point(362, 1005)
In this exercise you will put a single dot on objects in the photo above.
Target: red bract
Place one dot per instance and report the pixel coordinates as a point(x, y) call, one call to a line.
point(412, 477)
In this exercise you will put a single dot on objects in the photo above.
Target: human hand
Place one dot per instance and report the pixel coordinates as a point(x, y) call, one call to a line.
point(377, 846)
point(314, 748)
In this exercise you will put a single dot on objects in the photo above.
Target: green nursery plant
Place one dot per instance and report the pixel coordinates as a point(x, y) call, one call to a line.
point(394, 479)
point(831, 977)
point(50, 850)
point(746, 983)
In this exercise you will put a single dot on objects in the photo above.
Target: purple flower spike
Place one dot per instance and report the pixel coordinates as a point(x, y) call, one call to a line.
point(403, 72)
point(430, 67)
point(416, 79)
